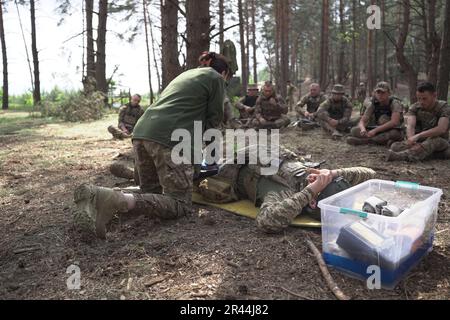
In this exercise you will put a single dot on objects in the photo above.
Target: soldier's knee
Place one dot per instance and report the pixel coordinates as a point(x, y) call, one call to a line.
point(398, 146)
point(355, 132)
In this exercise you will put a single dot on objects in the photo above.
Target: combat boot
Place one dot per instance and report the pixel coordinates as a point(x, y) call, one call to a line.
point(397, 156)
point(118, 134)
point(336, 135)
point(99, 204)
point(121, 171)
point(355, 141)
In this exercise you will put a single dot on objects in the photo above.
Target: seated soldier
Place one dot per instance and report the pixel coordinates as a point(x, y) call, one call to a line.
point(380, 123)
point(129, 114)
point(312, 101)
point(283, 196)
point(427, 128)
point(246, 105)
point(334, 114)
point(270, 110)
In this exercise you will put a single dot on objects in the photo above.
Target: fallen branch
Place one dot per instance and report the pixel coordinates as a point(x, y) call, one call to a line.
point(154, 281)
point(23, 250)
point(326, 274)
point(295, 294)
point(441, 231)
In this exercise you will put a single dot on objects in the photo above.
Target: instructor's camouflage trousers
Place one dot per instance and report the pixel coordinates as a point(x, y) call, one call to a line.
point(422, 150)
point(166, 187)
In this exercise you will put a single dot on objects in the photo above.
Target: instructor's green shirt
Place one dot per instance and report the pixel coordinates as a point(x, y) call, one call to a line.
point(195, 95)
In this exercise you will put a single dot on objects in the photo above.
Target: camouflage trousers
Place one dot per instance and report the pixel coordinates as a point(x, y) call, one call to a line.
point(381, 138)
point(165, 187)
point(282, 122)
point(118, 133)
point(422, 150)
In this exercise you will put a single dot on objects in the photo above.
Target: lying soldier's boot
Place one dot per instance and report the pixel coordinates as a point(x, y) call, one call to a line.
point(355, 141)
point(100, 205)
point(336, 135)
point(397, 156)
point(118, 134)
point(121, 171)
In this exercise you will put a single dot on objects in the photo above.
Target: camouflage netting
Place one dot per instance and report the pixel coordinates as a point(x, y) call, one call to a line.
point(85, 105)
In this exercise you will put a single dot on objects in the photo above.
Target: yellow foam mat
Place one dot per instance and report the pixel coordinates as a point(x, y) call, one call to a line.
point(247, 209)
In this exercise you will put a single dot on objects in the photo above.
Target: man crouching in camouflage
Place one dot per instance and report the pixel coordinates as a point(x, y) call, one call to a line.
point(165, 186)
point(294, 190)
point(334, 114)
point(383, 115)
point(129, 114)
point(312, 101)
point(270, 110)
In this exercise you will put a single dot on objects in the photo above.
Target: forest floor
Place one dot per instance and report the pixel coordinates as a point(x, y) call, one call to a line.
point(211, 254)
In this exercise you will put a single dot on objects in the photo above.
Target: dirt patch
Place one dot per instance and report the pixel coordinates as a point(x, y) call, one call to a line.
point(211, 254)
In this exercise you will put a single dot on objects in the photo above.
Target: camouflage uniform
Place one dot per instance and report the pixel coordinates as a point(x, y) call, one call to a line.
point(128, 117)
point(425, 120)
point(377, 116)
point(312, 104)
point(281, 197)
point(340, 111)
point(273, 110)
point(165, 187)
point(227, 110)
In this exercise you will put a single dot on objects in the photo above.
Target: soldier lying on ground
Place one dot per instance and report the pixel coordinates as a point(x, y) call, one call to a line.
point(270, 110)
point(427, 128)
point(382, 112)
point(294, 190)
point(129, 114)
point(334, 114)
point(165, 185)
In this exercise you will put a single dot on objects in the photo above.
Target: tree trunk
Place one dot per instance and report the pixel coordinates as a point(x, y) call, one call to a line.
point(444, 63)
point(435, 43)
point(149, 67)
point(5, 99)
point(247, 39)
point(355, 66)
point(405, 65)
point(383, 24)
point(324, 45)
point(197, 29)
point(284, 33)
point(253, 23)
point(244, 76)
point(34, 51)
point(341, 62)
point(169, 41)
point(221, 24)
point(100, 68)
point(277, 43)
point(370, 58)
point(90, 54)
point(155, 44)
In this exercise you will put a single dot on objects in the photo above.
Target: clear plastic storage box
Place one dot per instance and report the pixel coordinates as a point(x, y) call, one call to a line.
point(353, 239)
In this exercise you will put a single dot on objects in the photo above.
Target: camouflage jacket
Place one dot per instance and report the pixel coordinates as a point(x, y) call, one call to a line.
point(312, 103)
point(279, 209)
point(129, 115)
point(270, 108)
point(341, 110)
point(428, 119)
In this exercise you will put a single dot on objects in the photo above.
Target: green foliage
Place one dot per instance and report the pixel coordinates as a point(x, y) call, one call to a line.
point(75, 106)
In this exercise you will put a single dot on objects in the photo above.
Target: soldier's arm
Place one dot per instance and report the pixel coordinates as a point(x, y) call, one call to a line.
point(258, 114)
point(322, 111)
point(240, 104)
point(440, 129)
point(214, 112)
point(299, 106)
point(347, 113)
point(355, 175)
point(411, 126)
point(279, 209)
